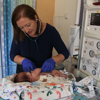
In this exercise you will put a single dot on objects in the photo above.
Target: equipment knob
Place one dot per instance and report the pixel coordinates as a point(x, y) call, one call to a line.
point(88, 27)
point(96, 65)
point(98, 56)
point(83, 59)
point(85, 41)
point(92, 43)
point(90, 61)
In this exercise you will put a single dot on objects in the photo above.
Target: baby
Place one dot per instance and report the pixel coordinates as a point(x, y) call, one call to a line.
point(35, 75)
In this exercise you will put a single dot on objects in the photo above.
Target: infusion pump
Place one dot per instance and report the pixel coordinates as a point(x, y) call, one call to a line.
point(89, 54)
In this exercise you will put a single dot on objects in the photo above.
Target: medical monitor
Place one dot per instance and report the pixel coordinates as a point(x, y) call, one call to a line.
point(95, 19)
point(92, 21)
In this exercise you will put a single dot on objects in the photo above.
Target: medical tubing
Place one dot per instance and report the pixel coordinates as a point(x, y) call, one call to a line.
point(36, 39)
point(68, 76)
point(70, 47)
point(94, 90)
point(74, 38)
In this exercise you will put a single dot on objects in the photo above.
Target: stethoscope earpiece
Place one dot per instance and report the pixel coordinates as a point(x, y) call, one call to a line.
point(37, 20)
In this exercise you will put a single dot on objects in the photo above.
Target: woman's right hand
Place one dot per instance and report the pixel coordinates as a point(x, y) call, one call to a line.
point(28, 65)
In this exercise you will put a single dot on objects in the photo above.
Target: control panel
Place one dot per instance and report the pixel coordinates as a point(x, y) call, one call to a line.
point(90, 59)
point(89, 54)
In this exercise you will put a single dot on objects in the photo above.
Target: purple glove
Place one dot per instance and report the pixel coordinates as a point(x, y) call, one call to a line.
point(48, 65)
point(28, 65)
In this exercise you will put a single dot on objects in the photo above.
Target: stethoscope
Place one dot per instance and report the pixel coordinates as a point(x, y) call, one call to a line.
point(35, 40)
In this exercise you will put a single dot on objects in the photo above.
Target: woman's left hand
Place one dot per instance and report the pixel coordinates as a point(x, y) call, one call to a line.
point(48, 65)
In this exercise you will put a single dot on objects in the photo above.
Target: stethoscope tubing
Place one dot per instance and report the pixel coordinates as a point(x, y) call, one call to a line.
point(35, 40)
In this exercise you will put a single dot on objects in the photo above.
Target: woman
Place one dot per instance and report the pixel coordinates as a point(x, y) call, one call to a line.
point(33, 42)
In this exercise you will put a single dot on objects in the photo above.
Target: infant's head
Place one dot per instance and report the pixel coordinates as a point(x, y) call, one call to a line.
point(21, 77)
point(27, 76)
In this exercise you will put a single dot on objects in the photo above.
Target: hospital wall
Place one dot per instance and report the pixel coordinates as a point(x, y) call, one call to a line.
point(59, 13)
point(45, 10)
point(64, 17)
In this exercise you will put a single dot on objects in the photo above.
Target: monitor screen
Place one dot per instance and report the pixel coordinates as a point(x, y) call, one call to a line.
point(95, 19)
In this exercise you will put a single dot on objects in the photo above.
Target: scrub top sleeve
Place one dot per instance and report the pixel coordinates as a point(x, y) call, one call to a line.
point(59, 44)
point(14, 50)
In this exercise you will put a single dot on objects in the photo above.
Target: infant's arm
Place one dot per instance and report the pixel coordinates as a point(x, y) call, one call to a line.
point(55, 72)
point(58, 73)
point(35, 74)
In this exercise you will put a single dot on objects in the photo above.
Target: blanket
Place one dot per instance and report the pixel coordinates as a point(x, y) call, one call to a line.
point(54, 88)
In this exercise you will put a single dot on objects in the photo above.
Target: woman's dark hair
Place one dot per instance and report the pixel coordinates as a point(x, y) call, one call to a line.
point(19, 12)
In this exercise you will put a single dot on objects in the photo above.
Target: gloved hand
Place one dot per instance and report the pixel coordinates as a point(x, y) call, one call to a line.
point(48, 65)
point(28, 65)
